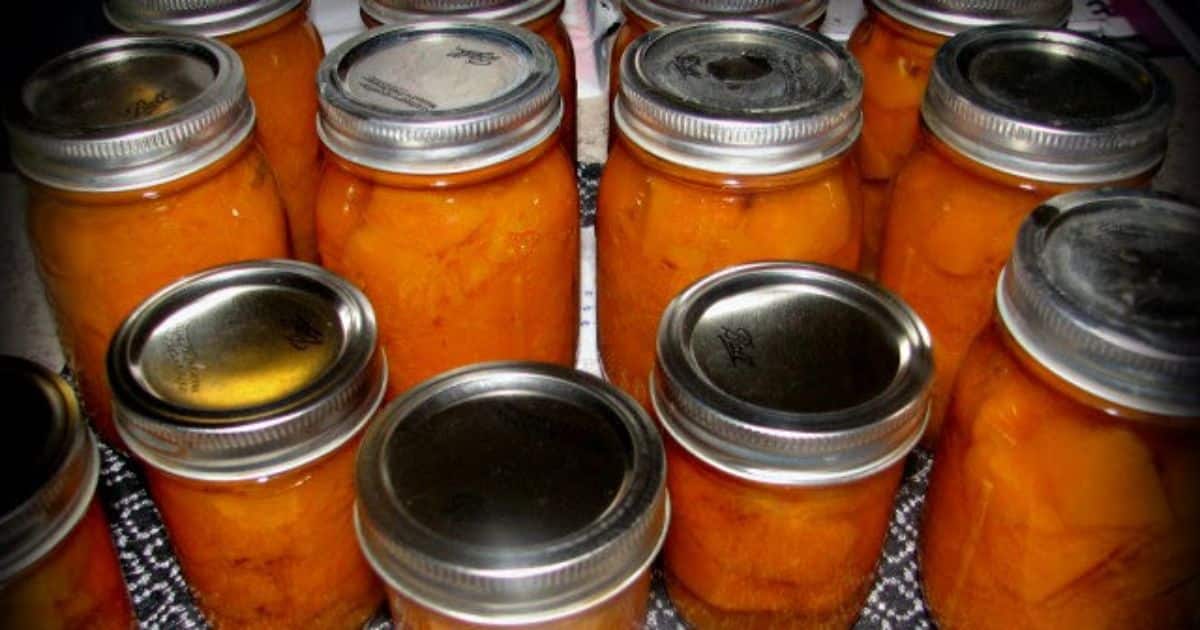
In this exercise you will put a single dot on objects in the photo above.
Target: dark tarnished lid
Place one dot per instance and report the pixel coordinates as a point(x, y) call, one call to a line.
point(511, 493)
point(1103, 289)
point(130, 112)
point(739, 97)
point(516, 12)
point(438, 97)
point(1049, 105)
point(197, 17)
point(661, 12)
point(49, 463)
point(246, 370)
point(949, 17)
point(790, 373)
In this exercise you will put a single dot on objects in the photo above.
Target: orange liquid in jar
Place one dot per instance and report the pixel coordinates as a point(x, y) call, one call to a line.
point(76, 586)
point(460, 268)
point(101, 254)
point(951, 227)
point(753, 556)
point(277, 552)
point(661, 227)
point(1045, 511)
point(280, 60)
point(625, 610)
point(896, 61)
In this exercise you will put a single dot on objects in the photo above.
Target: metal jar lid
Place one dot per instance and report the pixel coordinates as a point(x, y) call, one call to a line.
point(950, 17)
point(438, 97)
point(1048, 105)
point(130, 112)
point(1103, 289)
point(660, 12)
point(792, 374)
point(197, 17)
point(516, 12)
point(511, 493)
point(50, 464)
point(739, 97)
point(246, 370)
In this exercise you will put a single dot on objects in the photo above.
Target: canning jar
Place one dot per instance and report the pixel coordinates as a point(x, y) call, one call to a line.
point(791, 394)
point(1063, 493)
point(733, 145)
point(543, 17)
point(1012, 117)
point(513, 494)
point(58, 569)
point(643, 16)
point(895, 44)
point(446, 196)
point(140, 169)
point(244, 390)
point(280, 50)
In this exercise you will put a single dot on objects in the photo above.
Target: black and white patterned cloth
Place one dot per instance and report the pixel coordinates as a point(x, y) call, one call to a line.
point(161, 597)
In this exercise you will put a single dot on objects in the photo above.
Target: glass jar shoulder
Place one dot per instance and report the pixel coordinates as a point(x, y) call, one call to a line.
point(813, 214)
point(896, 60)
point(1079, 517)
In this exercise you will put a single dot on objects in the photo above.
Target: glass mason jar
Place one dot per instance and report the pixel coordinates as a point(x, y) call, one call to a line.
point(543, 17)
point(446, 196)
point(245, 389)
point(513, 495)
point(140, 169)
point(1012, 117)
point(58, 569)
point(1064, 494)
point(729, 151)
point(895, 44)
point(643, 16)
point(280, 51)
point(791, 394)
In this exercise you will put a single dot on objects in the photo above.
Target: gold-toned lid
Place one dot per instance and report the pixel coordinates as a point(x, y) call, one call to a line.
point(246, 370)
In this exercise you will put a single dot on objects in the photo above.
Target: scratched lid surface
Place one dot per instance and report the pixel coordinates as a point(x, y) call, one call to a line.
point(246, 370)
point(438, 97)
point(739, 97)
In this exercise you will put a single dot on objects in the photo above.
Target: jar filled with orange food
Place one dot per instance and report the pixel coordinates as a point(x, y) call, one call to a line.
point(1012, 117)
point(1063, 492)
point(543, 17)
point(643, 16)
point(244, 390)
point(140, 168)
point(733, 145)
point(58, 569)
point(791, 394)
point(513, 495)
point(447, 197)
point(895, 43)
point(280, 51)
